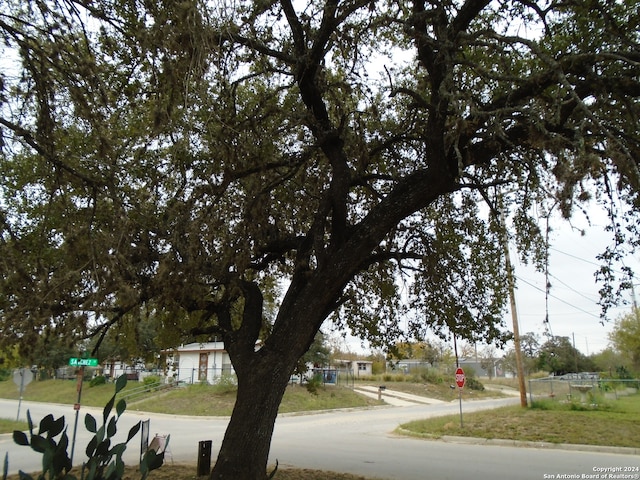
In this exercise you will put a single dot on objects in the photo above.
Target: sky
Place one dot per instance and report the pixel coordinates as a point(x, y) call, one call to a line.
point(573, 308)
point(573, 299)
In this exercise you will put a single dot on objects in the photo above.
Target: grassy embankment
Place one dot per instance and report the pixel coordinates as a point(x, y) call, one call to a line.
point(207, 400)
point(606, 422)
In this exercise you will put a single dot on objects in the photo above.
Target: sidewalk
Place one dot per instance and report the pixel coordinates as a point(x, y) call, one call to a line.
point(395, 398)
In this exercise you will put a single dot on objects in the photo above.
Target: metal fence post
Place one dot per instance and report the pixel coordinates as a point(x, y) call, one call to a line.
point(204, 457)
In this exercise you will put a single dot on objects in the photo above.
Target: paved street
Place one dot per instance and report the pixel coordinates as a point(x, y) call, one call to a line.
point(355, 441)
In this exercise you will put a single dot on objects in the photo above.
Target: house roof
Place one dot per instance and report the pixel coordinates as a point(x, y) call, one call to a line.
point(352, 361)
point(197, 347)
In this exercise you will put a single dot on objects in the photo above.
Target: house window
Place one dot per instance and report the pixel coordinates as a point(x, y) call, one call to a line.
point(362, 366)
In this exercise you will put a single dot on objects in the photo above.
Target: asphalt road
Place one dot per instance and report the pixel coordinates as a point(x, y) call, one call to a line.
point(355, 441)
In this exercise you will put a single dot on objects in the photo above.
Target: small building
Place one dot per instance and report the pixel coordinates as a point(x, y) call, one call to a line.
point(114, 368)
point(355, 368)
point(409, 365)
point(198, 362)
point(468, 364)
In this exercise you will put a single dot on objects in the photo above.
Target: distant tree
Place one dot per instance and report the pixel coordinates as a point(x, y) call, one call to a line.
point(509, 362)
point(10, 357)
point(466, 350)
point(379, 360)
point(558, 356)
point(424, 351)
point(625, 337)
point(132, 339)
point(318, 355)
point(52, 352)
point(530, 344)
point(609, 360)
point(529, 364)
point(488, 359)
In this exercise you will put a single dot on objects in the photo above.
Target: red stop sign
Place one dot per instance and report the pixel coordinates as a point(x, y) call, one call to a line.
point(460, 377)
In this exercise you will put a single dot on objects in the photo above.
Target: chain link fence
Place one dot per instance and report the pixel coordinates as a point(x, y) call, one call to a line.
point(581, 387)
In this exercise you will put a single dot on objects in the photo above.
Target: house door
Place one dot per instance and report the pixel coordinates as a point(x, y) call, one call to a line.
point(202, 369)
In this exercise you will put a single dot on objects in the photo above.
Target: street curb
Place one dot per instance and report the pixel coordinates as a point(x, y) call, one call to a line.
point(542, 445)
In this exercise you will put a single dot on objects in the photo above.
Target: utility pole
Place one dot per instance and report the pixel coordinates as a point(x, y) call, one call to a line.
point(514, 315)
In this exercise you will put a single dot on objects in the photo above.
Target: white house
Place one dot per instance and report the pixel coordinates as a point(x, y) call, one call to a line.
point(357, 368)
point(198, 362)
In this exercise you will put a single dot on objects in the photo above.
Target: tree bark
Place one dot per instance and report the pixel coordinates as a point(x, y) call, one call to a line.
point(245, 449)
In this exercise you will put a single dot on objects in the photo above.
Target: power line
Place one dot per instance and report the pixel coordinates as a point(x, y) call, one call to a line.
point(572, 289)
point(588, 261)
point(576, 257)
point(557, 298)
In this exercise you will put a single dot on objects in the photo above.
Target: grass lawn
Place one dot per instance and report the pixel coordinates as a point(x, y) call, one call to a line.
point(8, 426)
point(611, 423)
point(63, 391)
point(203, 400)
point(214, 401)
point(440, 391)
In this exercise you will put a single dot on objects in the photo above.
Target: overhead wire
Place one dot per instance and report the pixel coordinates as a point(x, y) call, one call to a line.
point(557, 298)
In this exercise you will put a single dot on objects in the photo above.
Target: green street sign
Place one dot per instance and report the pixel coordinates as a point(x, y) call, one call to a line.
point(83, 362)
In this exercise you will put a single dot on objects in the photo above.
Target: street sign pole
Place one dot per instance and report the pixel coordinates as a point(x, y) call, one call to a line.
point(21, 377)
point(21, 390)
point(460, 402)
point(76, 407)
point(459, 376)
point(460, 379)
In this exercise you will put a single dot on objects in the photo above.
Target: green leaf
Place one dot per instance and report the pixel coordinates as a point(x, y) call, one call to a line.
point(119, 468)
point(91, 447)
point(100, 434)
point(45, 424)
point(90, 423)
point(39, 443)
point(107, 409)
point(60, 460)
point(56, 427)
point(24, 476)
point(118, 449)
point(151, 461)
point(103, 447)
point(30, 422)
point(112, 427)
point(20, 438)
point(121, 382)
point(133, 431)
point(111, 470)
point(64, 443)
point(92, 472)
point(121, 406)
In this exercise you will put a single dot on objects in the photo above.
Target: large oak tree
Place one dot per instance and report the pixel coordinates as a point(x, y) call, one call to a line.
point(248, 169)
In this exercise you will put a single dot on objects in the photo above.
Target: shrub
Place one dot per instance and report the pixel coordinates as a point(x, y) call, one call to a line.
point(313, 384)
point(105, 461)
point(474, 384)
point(99, 380)
point(226, 384)
point(151, 380)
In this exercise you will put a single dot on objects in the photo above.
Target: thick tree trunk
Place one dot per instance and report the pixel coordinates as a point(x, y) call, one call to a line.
point(245, 448)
